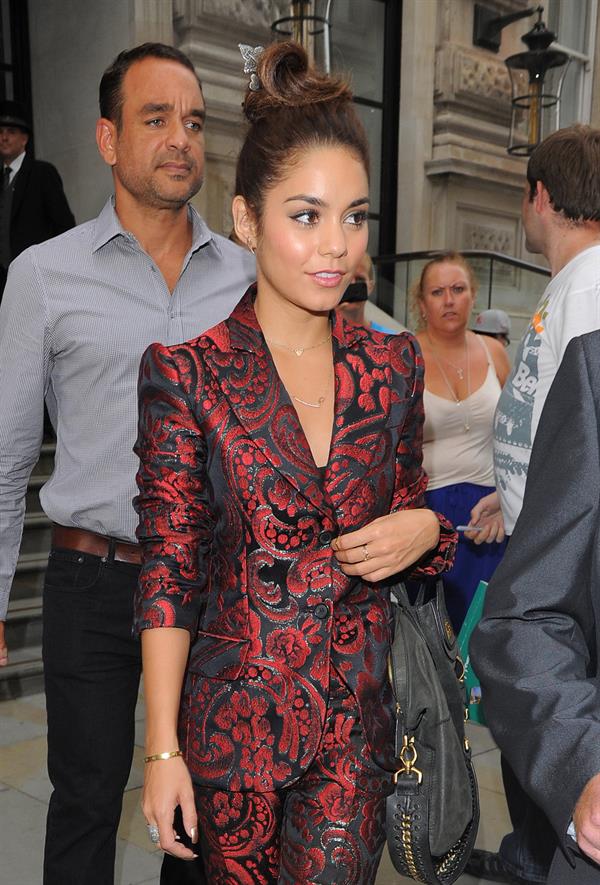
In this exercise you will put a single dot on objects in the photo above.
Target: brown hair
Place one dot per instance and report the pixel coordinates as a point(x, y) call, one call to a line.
point(295, 108)
point(568, 165)
point(416, 290)
point(111, 92)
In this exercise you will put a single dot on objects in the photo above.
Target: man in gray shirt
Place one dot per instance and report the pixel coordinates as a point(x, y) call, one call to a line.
point(78, 312)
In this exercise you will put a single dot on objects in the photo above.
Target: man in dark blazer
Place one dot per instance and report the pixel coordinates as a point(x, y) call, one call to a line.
point(536, 649)
point(33, 205)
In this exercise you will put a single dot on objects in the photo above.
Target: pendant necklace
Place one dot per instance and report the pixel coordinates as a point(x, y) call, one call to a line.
point(320, 400)
point(458, 369)
point(464, 403)
point(298, 350)
point(303, 402)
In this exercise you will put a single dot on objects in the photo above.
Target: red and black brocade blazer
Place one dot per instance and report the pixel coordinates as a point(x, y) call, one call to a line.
point(236, 525)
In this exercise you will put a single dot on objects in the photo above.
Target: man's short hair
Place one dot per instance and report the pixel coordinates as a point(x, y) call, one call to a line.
point(111, 94)
point(568, 165)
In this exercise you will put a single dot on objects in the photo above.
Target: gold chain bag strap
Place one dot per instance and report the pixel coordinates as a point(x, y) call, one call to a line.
point(433, 814)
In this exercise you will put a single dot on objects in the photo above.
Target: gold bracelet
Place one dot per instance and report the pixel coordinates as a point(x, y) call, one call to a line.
point(156, 756)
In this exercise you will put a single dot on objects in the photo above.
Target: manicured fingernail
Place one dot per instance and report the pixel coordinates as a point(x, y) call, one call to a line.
point(194, 833)
point(177, 838)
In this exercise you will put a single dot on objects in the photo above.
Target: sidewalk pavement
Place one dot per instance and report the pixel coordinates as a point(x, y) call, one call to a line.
point(25, 791)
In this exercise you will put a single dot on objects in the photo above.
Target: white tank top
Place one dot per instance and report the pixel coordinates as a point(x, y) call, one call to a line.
point(452, 454)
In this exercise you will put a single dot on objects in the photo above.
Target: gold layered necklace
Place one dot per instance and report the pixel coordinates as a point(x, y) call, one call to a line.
point(298, 350)
point(320, 399)
point(464, 404)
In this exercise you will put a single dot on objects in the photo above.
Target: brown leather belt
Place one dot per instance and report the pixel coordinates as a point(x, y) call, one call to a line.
point(96, 545)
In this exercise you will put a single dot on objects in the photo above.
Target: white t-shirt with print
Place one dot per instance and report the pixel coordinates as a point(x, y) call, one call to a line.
point(570, 306)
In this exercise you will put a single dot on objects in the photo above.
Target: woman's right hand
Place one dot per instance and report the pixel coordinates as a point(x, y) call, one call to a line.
point(167, 784)
point(488, 515)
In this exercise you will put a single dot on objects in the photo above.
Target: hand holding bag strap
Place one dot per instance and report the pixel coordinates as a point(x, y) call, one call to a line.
point(433, 814)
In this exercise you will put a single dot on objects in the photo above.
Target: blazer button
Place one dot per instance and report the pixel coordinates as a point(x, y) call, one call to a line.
point(321, 611)
point(325, 537)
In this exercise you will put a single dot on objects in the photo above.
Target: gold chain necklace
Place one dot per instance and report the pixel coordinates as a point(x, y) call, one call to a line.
point(316, 405)
point(320, 400)
point(298, 350)
point(458, 369)
point(459, 402)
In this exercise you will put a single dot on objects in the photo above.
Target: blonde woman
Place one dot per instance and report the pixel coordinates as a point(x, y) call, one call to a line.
point(463, 377)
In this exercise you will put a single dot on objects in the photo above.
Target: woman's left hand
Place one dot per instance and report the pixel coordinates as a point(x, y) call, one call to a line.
point(388, 545)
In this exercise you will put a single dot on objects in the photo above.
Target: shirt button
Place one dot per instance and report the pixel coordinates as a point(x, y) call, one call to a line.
point(321, 611)
point(325, 537)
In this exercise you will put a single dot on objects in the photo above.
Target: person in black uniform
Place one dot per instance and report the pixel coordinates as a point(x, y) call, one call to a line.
point(33, 205)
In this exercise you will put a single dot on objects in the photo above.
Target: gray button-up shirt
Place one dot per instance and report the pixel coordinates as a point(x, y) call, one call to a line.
point(78, 312)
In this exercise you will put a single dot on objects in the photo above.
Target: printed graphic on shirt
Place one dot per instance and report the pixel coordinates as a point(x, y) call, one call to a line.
point(513, 436)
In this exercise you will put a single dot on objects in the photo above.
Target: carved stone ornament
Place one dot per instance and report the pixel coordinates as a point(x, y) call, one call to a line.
point(481, 236)
point(483, 77)
point(254, 13)
point(464, 75)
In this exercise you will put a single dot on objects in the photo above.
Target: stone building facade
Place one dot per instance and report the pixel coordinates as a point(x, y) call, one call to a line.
point(459, 187)
point(456, 185)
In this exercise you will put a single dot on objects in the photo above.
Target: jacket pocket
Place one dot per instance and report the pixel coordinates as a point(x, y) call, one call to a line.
point(219, 657)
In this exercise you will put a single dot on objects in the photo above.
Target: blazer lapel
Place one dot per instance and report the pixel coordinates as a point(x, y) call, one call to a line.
point(362, 408)
point(247, 376)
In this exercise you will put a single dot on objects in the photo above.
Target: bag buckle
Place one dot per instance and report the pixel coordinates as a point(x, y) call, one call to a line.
point(408, 757)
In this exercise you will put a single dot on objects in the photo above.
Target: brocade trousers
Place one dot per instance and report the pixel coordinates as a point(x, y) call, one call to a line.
point(327, 828)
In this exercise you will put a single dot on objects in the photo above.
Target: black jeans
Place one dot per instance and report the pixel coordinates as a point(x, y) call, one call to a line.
point(92, 668)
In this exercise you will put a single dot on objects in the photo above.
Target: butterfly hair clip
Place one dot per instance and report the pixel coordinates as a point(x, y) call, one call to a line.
point(251, 54)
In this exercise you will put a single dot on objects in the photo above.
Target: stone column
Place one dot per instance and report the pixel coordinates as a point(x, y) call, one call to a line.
point(459, 188)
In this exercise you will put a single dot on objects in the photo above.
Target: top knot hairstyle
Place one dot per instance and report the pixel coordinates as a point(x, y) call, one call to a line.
point(295, 109)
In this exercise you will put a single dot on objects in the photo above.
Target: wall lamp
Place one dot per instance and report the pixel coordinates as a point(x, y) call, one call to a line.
point(308, 19)
point(536, 76)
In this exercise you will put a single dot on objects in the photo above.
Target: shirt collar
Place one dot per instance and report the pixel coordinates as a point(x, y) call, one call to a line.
point(108, 227)
point(16, 164)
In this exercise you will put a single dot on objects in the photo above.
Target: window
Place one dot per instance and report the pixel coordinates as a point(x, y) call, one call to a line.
point(365, 42)
point(574, 23)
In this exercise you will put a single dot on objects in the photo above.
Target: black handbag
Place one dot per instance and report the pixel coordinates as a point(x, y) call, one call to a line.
point(433, 814)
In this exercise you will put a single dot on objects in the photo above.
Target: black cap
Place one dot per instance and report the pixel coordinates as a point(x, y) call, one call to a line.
point(13, 113)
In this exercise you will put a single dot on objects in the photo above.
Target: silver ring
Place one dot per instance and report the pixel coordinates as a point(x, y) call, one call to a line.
point(153, 833)
point(366, 553)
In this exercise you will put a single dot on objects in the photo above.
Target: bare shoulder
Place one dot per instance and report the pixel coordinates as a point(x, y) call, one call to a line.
point(500, 358)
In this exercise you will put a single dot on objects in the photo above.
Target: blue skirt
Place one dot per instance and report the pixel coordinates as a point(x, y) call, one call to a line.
point(474, 562)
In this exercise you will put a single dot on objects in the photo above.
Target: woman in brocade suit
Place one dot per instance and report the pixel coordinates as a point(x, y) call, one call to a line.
point(281, 492)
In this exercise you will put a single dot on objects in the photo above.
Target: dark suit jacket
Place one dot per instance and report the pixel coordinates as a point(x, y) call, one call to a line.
point(536, 649)
point(39, 206)
point(236, 525)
